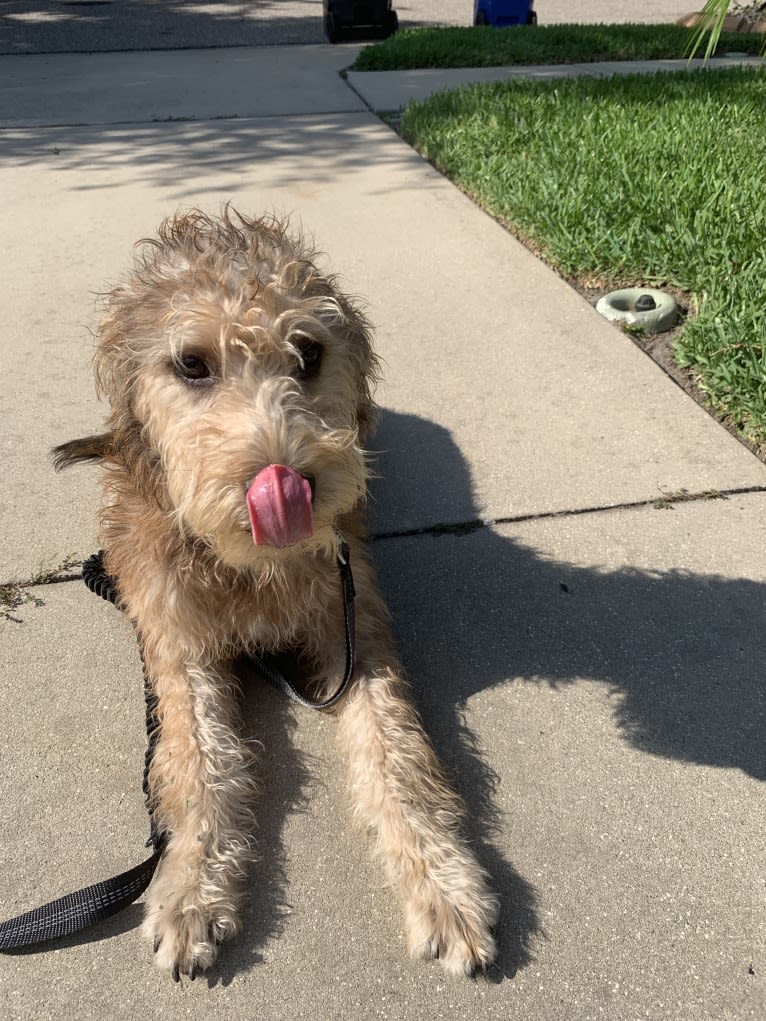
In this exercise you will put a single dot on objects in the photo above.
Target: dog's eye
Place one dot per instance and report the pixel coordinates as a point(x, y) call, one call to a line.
point(191, 368)
point(310, 354)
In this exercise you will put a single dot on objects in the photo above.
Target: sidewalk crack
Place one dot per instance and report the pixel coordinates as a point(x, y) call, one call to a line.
point(14, 594)
point(665, 501)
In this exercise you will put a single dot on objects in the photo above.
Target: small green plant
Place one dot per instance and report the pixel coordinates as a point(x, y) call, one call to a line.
point(668, 500)
point(49, 573)
point(12, 596)
point(711, 22)
point(633, 329)
point(16, 593)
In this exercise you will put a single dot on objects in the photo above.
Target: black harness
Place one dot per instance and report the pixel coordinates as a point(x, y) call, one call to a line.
point(79, 910)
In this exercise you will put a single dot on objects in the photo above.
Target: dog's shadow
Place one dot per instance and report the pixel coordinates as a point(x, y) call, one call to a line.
point(680, 652)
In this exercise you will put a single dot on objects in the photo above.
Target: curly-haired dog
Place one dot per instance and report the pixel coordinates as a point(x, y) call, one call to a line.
point(239, 379)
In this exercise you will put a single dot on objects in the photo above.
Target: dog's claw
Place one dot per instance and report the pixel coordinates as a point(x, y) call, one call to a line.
point(176, 974)
point(193, 971)
point(156, 945)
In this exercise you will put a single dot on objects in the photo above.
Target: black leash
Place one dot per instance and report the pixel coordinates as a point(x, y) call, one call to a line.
point(77, 911)
point(274, 676)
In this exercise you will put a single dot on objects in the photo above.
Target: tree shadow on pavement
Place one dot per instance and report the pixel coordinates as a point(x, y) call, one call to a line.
point(86, 26)
point(185, 158)
point(53, 26)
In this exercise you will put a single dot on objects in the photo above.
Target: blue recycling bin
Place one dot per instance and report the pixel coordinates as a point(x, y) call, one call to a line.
point(503, 13)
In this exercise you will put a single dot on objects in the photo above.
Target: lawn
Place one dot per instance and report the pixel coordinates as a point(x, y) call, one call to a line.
point(644, 179)
point(544, 44)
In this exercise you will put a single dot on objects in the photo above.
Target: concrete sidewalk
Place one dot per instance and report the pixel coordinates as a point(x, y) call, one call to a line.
point(386, 91)
point(590, 665)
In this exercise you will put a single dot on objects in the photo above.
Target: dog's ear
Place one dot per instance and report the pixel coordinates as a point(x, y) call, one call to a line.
point(359, 341)
point(366, 409)
point(115, 359)
point(139, 461)
point(88, 448)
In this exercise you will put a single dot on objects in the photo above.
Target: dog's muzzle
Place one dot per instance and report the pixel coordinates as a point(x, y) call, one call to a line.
point(279, 502)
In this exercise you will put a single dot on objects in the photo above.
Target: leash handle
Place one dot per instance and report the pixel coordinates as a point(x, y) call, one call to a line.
point(77, 911)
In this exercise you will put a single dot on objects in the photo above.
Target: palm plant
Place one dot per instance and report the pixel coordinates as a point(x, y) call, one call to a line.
point(711, 22)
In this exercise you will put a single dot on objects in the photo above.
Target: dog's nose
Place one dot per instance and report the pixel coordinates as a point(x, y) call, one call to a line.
point(304, 475)
point(312, 483)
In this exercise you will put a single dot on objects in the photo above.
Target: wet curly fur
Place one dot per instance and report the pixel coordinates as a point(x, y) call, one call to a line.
point(224, 351)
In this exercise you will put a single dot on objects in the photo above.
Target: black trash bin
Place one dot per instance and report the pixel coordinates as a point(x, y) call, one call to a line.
point(345, 20)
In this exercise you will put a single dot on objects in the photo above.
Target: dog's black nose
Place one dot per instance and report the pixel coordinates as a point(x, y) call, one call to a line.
point(312, 482)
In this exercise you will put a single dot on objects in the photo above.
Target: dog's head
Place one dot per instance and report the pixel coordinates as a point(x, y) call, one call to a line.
point(239, 378)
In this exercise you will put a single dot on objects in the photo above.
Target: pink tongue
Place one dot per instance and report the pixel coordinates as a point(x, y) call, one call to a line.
point(279, 503)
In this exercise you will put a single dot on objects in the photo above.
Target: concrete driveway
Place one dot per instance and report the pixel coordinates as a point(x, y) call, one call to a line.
point(52, 26)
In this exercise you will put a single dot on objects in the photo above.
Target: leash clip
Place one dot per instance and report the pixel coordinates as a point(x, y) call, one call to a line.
point(341, 548)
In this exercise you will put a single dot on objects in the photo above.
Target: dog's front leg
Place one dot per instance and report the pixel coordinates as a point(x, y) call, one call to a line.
point(200, 793)
point(400, 792)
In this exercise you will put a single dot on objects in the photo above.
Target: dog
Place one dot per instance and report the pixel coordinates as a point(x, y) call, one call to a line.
point(240, 380)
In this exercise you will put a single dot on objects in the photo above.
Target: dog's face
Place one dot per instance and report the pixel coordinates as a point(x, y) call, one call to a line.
point(239, 379)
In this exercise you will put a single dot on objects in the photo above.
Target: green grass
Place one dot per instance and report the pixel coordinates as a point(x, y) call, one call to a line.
point(644, 179)
point(544, 44)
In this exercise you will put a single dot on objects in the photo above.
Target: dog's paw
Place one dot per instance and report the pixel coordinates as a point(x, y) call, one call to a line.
point(456, 928)
point(185, 932)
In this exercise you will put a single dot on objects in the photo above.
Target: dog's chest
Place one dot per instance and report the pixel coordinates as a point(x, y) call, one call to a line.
point(286, 612)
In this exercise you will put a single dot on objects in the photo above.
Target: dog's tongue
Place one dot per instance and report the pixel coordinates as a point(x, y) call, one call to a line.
point(279, 503)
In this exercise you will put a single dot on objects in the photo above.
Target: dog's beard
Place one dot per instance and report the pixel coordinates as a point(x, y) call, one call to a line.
point(212, 505)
